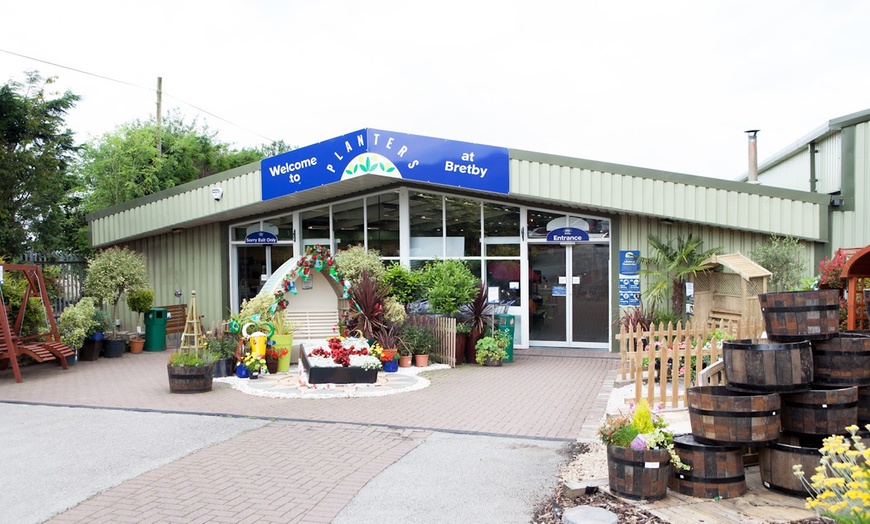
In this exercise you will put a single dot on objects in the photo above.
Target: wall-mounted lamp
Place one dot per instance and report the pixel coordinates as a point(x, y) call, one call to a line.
point(836, 202)
point(217, 193)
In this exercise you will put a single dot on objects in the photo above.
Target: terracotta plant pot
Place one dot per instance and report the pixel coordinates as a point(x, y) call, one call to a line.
point(421, 361)
point(405, 361)
point(137, 345)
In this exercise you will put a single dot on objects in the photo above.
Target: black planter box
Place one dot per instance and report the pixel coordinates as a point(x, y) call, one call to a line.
point(114, 347)
point(337, 375)
point(223, 367)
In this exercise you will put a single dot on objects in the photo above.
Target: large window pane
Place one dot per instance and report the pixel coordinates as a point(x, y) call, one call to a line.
point(281, 226)
point(383, 224)
point(427, 233)
point(348, 224)
point(501, 221)
point(240, 232)
point(315, 227)
point(463, 227)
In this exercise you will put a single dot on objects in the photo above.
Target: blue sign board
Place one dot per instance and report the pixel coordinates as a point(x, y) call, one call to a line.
point(567, 234)
point(386, 153)
point(629, 278)
point(629, 262)
point(261, 237)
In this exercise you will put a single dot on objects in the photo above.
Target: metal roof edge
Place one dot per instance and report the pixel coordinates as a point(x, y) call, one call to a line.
point(669, 176)
point(177, 190)
point(823, 131)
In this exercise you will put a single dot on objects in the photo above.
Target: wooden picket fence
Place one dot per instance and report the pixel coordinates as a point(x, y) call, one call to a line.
point(664, 360)
point(445, 329)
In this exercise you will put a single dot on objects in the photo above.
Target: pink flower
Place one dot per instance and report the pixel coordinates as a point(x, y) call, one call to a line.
point(639, 443)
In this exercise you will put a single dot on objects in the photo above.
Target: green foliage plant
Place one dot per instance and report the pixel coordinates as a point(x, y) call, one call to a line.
point(405, 284)
point(140, 301)
point(352, 261)
point(669, 267)
point(418, 340)
point(77, 322)
point(14, 289)
point(491, 348)
point(449, 286)
point(782, 256)
point(112, 273)
point(191, 358)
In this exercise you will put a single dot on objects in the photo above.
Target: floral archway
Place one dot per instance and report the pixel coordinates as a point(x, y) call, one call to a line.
point(316, 258)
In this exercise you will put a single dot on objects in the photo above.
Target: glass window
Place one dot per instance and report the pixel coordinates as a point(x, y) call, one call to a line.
point(427, 232)
point(315, 227)
point(501, 225)
point(463, 227)
point(348, 224)
point(282, 227)
point(505, 275)
point(240, 232)
point(383, 224)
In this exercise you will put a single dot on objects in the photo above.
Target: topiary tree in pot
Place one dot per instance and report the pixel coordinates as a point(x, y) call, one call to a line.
point(112, 273)
point(140, 301)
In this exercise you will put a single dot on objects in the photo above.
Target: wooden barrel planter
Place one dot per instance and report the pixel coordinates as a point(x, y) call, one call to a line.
point(801, 315)
point(843, 360)
point(777, 460)
point(638, 474)
point(721, 416)
point(190, 379)
point(759, 366)
point(717, 470)
point(820, 411)
point(863, 405)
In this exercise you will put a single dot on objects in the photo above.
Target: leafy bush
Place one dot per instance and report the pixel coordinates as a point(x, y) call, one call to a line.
point(405, 284)
point(352, 261)
point(782, 256)
point(113, 272)
point(419, 340)
point(449, 285)
point(77, 322)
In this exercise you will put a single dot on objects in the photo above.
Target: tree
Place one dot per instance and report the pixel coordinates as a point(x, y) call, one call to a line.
point(38, 194)
point(125, 164)
point(782, 256)
point(672, 267)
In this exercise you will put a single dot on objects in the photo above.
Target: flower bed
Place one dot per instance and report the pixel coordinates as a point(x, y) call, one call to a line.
point(338, 361)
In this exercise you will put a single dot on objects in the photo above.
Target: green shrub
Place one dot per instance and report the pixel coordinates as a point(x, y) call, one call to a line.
point(449, 285)
point(77, 322)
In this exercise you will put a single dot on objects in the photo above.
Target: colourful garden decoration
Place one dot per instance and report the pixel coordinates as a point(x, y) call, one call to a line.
point(316, 257)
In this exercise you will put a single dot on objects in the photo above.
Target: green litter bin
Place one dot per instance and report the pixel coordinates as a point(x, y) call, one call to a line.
point(155, 329)
point(505, 324)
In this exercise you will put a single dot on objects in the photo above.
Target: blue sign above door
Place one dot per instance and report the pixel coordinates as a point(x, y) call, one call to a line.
point(261, 237)
point(386, 153)
point(567, 234)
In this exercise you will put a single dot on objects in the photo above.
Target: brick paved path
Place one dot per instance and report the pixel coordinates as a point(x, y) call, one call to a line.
point(543, 394)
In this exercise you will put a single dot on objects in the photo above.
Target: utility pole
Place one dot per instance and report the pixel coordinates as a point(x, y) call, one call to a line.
point(159, 111)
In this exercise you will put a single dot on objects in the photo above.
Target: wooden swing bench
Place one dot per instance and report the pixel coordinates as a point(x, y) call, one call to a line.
point(43, 347)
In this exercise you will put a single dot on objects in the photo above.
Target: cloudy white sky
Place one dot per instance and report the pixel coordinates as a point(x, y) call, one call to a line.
point(668, 85)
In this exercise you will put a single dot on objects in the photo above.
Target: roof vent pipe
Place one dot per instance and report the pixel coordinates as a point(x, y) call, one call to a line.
point(753, 156)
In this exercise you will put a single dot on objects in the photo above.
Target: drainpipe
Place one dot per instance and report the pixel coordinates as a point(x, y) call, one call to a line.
point(753, 156)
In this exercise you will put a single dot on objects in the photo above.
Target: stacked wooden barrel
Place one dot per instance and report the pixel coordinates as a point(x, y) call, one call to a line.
point(784, 394)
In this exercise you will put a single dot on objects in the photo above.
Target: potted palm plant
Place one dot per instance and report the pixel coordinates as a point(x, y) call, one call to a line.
point(112, 273)
point(140, 301)
point(476, 311)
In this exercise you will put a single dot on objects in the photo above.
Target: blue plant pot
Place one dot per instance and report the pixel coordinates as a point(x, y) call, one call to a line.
point(391, 366)
point(242, 371)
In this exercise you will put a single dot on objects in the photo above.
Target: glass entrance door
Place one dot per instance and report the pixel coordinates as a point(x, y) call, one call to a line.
point(568, 295)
